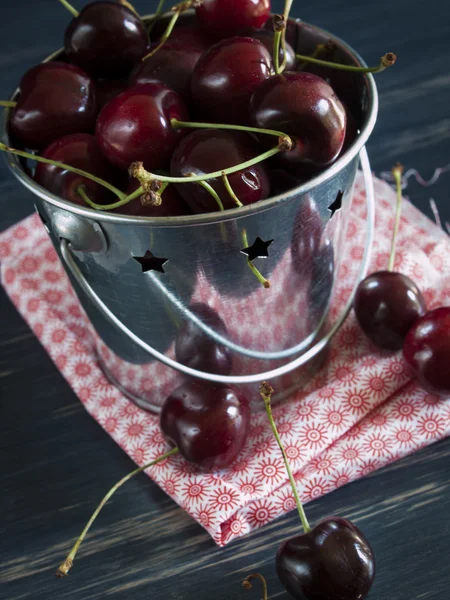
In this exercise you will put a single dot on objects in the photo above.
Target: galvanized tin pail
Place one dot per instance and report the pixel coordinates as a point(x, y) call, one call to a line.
point(278, 333)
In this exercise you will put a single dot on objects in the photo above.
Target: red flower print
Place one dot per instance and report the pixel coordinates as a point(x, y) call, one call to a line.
point(250, 487)
point(33, 305)
point(336, 419)
point(354, 432)
point(28, 265)
point(240, 467)
point(28, 283)
point(84, 394)
point(50, 255)
point(324, 465)
point(367, 467)
point(135, 429)
point(5, 250)
point(21, 232)
point(183, 467)
point(75, 311)
point(51, 276)
point(376, 385)
point(204, 515)
point(61, 361)
point(52, 297)
point(109, 422)
point(286, 428)
point(138, 453)
point(368, 361)
point(350, 453)
point(194, 491)
point(82, 369)
point(264, 446)
point(306, 411)
point(261, 512)
point(234, 527)
point(170, 485)
point(318, 486)
point(431, 399)
point(102, 383)
point(294, 452)
point(344, 374)
point(352, 229)
point(403, 436)
point(395, 369)
point(215, 479)
point(377, 445)
point(147, 385)
point(9, 276)
point(285, 502)
point(156, 438)
point(270, 471)
point(257, 430)
point(108, 401)
point(382, 260)
point(326, 393)
point(378, 420)
point(340, 478)
point(224, 499)
point(404, 410)
point(431, 426)
point(58, 336)
point(349, 337)
point(314, 436)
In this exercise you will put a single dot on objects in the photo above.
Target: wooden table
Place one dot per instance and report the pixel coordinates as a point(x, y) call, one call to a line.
point(56, 462)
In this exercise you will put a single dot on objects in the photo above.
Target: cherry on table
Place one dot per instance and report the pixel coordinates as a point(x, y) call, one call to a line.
point(387, 304)
point(56, 99)
point(202, 151)
point(78, 150)
point(427, 350)
point(225, 78)
point(106, 39)
point(306, 108)
point(172, 204)
point(225, 19)
point(198, 350)
point(333, 561)
point(208, 422)
point(136, 126)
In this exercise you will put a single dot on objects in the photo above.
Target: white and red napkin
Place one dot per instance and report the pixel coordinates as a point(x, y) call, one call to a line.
point(359, 413)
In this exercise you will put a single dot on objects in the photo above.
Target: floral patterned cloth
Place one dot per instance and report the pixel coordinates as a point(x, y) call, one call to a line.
point(359, 413)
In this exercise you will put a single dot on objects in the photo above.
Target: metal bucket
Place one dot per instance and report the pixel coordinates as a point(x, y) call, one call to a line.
point(280, 333)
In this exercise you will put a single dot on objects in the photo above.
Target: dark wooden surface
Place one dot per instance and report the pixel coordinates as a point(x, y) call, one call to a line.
point(56, 462)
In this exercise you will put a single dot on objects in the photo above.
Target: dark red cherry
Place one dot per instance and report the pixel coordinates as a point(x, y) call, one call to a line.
point(135, 126)
point(266, 37)
point(172, 204)
point(107, 89)
point(208, 422)
point(55, 99)
point(172, 66)
point(386, 306)
point(198, 350)
point(224, 19)
point(106, 39)
point(225, 78)
point(305, 107)
point(334, 561)
point(427, 350)
point(209, 150)
point(191, 35)
point(78, 150)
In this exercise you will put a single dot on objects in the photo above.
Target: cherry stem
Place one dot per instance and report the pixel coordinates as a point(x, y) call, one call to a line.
point(156, 16)
point(230, 191)
point(194, 125)
point(8, 103)
point(287, 10)
point(65, 567)
point(82, 192)
point(213, 193)
point(386, 61)
point(129, 6)
point(397, 172)
point(266, 391)
point(70, 8)
point(265, 282)
point(318, 51)
point(276, 50)
point(248, 586)
point(61, 165)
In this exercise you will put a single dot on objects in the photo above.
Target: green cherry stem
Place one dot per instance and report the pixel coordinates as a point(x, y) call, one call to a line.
point(81, 191)
point(65, 567)
point(60, 165)
point(230, 191)
point(70, 8)
point(265, 282)
point(278, 26)
point(8, 103)
point(287, 10)
point(213, 193)
point(156, 16)
point(386, 61)
point(176, 124)
point(266, 391)
point(397, 172)
point(246, 584)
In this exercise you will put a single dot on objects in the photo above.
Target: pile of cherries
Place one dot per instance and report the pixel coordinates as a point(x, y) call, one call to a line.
point(118, 96)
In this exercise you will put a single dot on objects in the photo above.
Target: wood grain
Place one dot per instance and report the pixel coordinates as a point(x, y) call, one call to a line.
point(56, 462)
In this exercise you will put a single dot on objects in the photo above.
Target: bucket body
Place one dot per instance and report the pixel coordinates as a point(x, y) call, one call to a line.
point(201, 255)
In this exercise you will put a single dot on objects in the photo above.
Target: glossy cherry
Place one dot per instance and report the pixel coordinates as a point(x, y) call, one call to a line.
point(172, 204)
point(333, 561)
point(225, 78)
point(206, 151)
point(56, 99)
point(305, 107)
point(78, 150)
point(106, 39)
point(208, 422)
point(387, 304)
point(266, 38)
point(225, 19)
point(189, 34)
point(427, 350)
point(107, 89)
point(198, 350)
point(135, 126)
point(172, 65)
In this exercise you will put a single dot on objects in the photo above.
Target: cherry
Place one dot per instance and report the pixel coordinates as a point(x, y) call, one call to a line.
point(55, 99)
point(106, 39)
point(266, 37)
point(208, 422)
point(202, 151)
point(107, 89)
point(135, 126)
point(333, 561)
point(305, 107)
point(172, 65)
point(189, 34)
point(198, 350)
point(172, 204)
point(224, 19)
point(427, 350)
point(78, 150)
point(387, 304)
point(226, 76)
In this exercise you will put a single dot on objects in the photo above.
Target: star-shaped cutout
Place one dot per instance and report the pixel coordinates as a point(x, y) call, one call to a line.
point(337, 204)
point(259, 249)
point(150, 262)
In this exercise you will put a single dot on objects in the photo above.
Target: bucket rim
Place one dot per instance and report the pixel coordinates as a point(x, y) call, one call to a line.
point(215, 217)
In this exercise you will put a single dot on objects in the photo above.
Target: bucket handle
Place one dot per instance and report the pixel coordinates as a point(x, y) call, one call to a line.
point(238, 379)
